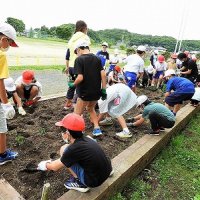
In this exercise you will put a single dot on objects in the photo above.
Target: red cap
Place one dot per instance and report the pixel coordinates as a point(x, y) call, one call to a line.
point(117, 68)
point(161, 58)
point(72, 122)
point(27, 76)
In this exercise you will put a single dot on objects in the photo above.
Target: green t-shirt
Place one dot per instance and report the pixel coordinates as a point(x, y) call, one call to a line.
point(159, 108)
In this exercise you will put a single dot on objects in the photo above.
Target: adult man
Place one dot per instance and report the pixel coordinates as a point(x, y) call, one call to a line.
point(189, 68)
point(183, 89)
point(160, 116)
point(7, 39)
point(103, 54)
point(28, 88)
point(134, 68)
point(83, 157)
point(90, 82)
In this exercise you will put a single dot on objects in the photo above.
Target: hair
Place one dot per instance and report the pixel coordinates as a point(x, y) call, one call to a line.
point(76, 134)
point(147, 102)
point(140, 52)
point(181, 56)
point(80, 26)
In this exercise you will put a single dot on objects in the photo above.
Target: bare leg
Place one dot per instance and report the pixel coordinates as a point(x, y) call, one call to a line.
point(122, 122)
point(2, 143)
point(176, 108)
point(34, 92)
point(20, 91)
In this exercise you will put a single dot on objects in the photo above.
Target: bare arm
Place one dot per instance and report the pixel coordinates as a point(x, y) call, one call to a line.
point(187, 72)
point(3, 95)
point(55, 165)
point(103, 79)
point(139, 121)
point(78, 79)
point(167, 94)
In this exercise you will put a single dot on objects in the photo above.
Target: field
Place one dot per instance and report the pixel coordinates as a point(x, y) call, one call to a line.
point(36, 138)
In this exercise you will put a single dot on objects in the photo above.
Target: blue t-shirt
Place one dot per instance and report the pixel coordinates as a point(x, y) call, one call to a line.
point(103, 55)
point(180, 85)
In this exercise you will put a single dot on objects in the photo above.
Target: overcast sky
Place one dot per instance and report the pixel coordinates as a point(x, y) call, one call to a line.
point(154, 17)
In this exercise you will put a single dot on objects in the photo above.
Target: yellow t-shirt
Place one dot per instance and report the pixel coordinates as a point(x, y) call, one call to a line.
point(4, 73)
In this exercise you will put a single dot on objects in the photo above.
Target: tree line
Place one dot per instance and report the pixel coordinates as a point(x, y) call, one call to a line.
point(120, 37)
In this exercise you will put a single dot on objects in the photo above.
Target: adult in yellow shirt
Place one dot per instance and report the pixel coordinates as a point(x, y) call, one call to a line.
point(80, 34)
point(7, 39)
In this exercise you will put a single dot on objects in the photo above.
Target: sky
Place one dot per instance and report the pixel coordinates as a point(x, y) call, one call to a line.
point(176, 18)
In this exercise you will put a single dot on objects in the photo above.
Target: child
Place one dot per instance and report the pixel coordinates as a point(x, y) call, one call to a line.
point(114, 61)
point(11, 92)
point(115, 76)
point(90, 82)
point(28, 88)
point(7, 39)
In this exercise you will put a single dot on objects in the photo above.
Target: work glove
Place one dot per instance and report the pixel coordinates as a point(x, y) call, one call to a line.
point(9, 110)
point(21, 111)
point(71, 85)
point(103, 94)
point(29, 103)
point(42, 165)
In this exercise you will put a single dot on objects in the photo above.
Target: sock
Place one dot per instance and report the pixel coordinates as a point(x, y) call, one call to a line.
point(108, 118)
point(3, 155)
point(126, 130)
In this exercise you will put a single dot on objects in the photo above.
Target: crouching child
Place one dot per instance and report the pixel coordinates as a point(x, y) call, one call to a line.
point(85, 160)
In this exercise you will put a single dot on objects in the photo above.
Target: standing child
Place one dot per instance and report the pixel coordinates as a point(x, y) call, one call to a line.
point(90, 79)
point(7, 39)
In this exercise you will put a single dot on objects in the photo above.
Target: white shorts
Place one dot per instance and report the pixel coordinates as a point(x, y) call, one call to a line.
point(3, 124)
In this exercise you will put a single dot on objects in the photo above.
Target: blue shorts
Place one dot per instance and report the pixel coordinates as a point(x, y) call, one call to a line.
point(131, 78)
point(158, 73)
point(78, 170)
point(111, 67)
point(178, 98)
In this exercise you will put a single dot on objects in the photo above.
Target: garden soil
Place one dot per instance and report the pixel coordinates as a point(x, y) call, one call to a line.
point(36, 138)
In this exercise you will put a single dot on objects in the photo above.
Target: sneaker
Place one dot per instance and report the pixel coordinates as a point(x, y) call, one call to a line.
point(106, 122)
point(123, 134)
point(162, 129)
point(130, 125)
point(154, 132)
point(130, 119)
point(75, 184)
point(11, 155)
point(96, 132)
point(111, 173)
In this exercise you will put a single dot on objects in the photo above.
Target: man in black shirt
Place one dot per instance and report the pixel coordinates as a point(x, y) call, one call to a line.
point(189, 69)
point(83, 157)
point(90, 83)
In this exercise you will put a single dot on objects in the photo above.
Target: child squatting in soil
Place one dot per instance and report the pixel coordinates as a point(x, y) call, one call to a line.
point(7, 39)
point(28, 88)
point(84, 158)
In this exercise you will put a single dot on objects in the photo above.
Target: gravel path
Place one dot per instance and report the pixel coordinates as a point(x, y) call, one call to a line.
point(53, 82)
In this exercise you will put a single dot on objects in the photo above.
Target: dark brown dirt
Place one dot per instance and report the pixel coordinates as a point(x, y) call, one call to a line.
point(36, 138)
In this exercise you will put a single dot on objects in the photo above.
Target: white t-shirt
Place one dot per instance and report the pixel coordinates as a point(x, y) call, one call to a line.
point(114, 60)
point(150, 69)
point(134, 64)
point(37, 83)
point(196, 95)
point(160, 66)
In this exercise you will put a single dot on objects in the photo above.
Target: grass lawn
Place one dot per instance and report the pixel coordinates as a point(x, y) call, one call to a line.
point(174, 174)
point(35, 68)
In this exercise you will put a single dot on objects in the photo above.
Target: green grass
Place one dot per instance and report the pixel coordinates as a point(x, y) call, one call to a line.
point(36, 68)
point(174, 174)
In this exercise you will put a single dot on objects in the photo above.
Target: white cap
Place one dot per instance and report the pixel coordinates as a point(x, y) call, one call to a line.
point(141, 48)
point(156, 51)
point(141, 99)
point(9, 84)
point(10, 32)
point(169, 72)
point(82, 43)
point(105, 44)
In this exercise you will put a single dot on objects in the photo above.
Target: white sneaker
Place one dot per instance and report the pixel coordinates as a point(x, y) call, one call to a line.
point(123, 134)
point(106, 122)
point(21, 111)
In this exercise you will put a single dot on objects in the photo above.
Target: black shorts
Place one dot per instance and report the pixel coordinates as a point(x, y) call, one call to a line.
point(178, 98)
point(10, 94)
point(27, 92)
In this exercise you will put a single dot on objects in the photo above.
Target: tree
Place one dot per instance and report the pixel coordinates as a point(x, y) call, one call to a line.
point(64, 31)
point(17, 24)
point(31, 33)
